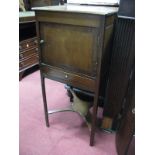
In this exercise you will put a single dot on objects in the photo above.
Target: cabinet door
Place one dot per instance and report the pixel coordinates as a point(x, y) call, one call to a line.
point(69, 47)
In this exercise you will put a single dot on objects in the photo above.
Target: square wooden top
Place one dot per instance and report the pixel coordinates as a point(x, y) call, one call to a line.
point(87, 9)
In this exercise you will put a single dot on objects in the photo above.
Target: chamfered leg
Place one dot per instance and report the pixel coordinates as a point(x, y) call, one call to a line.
point(94, 117)
point(44, 99)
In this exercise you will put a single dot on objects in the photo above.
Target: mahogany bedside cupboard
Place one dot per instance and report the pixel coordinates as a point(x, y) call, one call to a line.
point(74, 40)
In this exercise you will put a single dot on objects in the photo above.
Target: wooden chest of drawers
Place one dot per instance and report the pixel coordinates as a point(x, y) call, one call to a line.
point(28, 53)
point(28, 45)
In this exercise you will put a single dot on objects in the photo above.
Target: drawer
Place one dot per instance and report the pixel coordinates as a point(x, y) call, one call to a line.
point(29, 43)
point(28, 53)
point(79, 81)
point(28, 62)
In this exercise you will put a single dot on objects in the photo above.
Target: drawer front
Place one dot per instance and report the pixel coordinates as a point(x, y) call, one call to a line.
point(29, 43)
point(28, 53)
point(79, 81)
point(28, 62)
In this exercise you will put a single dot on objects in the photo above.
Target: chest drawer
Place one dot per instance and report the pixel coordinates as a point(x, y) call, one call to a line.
point(29, 43)
point(28, 53)
point(28, 62)
point(80, 81)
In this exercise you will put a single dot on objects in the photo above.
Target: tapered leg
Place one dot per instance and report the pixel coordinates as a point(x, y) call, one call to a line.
point(44, 99)
point(94, 117)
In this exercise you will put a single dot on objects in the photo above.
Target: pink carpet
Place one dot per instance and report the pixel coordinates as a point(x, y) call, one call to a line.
point(67, 134)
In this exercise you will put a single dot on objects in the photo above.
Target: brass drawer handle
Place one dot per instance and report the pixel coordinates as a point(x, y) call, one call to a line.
point(35, 41)
point(22, 63)
point(27, 45)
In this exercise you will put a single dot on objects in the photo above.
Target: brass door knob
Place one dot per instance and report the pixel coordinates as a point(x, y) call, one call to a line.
point(41, 41)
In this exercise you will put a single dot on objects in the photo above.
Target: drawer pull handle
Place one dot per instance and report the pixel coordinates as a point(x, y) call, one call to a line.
point(66, 76)
point(35, 41)
point(27, 45)
point(133, 110)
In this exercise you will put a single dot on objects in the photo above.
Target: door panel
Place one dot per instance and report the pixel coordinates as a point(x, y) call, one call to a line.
point(61, 47)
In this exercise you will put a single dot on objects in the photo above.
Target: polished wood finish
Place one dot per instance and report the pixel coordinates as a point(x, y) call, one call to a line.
point(61, 55)
point(28, 45)
point(69, 18)
point(28, 62)
point(74, 43)
point(27, 53)
point(44, 99)
point(60, 75)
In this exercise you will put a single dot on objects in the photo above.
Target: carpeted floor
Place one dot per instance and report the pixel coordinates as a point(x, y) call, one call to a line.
point(67, 134)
